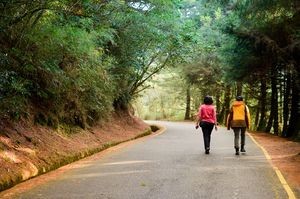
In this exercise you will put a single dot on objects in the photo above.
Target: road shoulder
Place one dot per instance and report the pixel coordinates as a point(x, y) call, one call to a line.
point(284, 155)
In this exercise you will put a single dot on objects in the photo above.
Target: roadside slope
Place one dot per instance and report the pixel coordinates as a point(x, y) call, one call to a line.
point(284, 154)
point(29, 150)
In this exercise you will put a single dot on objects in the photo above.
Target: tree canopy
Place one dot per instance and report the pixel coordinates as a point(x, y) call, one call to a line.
point(75, 62)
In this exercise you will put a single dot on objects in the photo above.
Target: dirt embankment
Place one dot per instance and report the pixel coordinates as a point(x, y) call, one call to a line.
point(285, 155)
point(29, 150)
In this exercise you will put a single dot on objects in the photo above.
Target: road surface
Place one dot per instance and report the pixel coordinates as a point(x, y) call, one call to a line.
point(172, 165)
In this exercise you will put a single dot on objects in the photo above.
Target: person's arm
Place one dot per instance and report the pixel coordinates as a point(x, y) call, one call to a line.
point(197, 122)
point(198, 118)
point(229, 118)
point(215, 119)
point(247, 116)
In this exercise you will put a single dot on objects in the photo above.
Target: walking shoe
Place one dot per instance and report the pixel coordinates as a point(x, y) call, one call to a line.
point(207, 151)
point(243, 148)
point(237, 151)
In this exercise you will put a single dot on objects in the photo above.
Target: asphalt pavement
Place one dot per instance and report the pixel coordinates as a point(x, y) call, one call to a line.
point(172, 165)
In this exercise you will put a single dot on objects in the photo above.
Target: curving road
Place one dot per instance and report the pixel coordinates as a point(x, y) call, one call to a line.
point(171, 165)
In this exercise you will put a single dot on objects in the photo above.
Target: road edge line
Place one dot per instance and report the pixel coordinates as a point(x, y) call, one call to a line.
point(282, 180)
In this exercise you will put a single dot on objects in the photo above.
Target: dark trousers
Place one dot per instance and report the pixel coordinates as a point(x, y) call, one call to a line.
point(207, 129)
point(237, 131)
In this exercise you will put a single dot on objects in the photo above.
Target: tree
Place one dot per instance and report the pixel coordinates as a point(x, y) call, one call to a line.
point(146, 43)
point(88, 54)
point(267, 36)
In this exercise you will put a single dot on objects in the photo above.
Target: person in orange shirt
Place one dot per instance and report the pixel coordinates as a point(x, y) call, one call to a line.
point(239, 119)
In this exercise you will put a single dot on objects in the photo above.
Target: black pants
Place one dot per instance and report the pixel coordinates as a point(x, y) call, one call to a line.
point(207, 129)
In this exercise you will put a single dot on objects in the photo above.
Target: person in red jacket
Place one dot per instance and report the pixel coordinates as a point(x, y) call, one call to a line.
point(206, 119)
point(239, 119)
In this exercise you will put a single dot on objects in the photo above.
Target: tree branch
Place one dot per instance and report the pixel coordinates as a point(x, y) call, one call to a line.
point(142, 81)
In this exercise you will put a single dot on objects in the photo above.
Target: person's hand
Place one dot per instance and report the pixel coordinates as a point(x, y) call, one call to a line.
point(216, 127)
point(196, 126)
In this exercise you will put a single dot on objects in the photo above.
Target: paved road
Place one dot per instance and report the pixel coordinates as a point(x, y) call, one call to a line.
point(170, 166)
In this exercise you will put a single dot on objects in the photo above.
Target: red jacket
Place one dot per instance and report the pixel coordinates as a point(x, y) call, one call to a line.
point(207, 113)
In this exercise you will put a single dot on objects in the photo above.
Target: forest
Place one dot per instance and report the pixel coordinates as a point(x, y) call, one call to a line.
point(75, 62)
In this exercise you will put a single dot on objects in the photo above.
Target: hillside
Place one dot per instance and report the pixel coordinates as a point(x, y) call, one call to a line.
point(28, 150)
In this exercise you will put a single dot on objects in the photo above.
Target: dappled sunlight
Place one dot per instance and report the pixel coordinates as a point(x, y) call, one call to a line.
point(128, 162)
point(89, 163)
point(10, 156)
point(29, 172)
point(26, 150)
point(80, 164)
point(248, 157)
point(6, 141)
point(92, 175)
point(226, 169)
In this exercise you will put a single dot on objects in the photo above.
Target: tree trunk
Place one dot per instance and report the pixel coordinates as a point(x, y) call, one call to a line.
point(225, 105)
point(273, 120)
point(257, 114)
point(270, 123)
point(218, 104)
point(239, 88)
point(294, 123)
point(221, 115)
point(227, 102)
point(286, 102)
point(188, 103)
point(274, 101)
point(263, 103)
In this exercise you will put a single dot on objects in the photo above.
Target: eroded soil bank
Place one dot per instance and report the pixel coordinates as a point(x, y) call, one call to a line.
point(29, 150)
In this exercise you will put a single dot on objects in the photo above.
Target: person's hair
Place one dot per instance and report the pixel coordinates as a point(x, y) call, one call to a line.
point(208, 100)
point(239, 98)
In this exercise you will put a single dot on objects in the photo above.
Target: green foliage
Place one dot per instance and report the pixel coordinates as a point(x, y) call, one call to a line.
point(145, 45)
point(57, 71)
point(228, 48)
point(69, 61)
point(13, 93)
point(72, 73)
point(163, 100)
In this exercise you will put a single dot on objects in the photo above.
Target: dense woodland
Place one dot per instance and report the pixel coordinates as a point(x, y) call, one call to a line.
point(74, 62)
